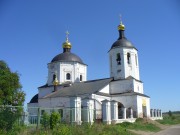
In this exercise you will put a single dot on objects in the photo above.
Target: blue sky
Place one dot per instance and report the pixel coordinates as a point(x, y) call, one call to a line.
point(32, 33)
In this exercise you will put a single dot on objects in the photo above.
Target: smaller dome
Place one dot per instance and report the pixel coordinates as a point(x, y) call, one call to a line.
point(67, 56)
point(66, 44)
point(121, 26)
point(123, 42)
point(34, 99)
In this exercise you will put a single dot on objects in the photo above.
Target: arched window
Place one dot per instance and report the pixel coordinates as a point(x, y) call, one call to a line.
point(81, 77)
point(118, 58)
point(68, 76)
point(128, 58)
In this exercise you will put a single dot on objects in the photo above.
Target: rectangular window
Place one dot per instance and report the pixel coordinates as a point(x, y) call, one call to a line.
point(60, 112)
point(128, 58)
point(42, 112)
point(81, 78)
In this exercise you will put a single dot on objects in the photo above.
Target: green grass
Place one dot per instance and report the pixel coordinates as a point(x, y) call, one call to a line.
point(140, 124)
point(85, 129)
point(170, 120)
point(95, 129)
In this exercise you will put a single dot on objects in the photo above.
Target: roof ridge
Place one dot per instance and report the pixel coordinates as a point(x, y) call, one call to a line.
point(98, 80)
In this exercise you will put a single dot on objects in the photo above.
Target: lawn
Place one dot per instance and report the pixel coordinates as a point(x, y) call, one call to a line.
point(170, 120)
point(141, 124)
point(95, 129)
point(124, 128)
point(85, 129)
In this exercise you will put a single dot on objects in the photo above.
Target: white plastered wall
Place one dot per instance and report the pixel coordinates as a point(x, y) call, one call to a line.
point(45, 91)
point(105, 89)
point(124, 70)
point(140, 103)
point(62, 68)
point(127, 101)
point(121, 86)
point(54, 102)
point(138, 86)
point(99, 97)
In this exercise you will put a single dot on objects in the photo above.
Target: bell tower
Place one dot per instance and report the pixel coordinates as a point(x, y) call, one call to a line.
point(123, 57)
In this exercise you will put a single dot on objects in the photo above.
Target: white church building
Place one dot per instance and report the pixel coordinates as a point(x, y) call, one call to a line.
point(110, 100)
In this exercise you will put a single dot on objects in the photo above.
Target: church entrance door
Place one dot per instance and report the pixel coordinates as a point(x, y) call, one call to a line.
point(144, 111)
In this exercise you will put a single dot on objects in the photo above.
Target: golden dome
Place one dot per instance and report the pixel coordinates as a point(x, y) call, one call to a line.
point(66, 44)
point(121, 26)
point(55, 82)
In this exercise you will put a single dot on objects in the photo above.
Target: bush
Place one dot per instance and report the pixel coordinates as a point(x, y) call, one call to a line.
point(125, 124)
point(9, 117)
point(139, 120)
point(45, 121)
point(16, 130)
point(54, 119)
point(170, 113)
point(62, 129)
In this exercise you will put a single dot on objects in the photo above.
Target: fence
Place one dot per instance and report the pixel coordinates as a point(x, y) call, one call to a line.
point(32, 115)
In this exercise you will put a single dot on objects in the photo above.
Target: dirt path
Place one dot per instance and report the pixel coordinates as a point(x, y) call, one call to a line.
point(172, 130)
point(166, 130)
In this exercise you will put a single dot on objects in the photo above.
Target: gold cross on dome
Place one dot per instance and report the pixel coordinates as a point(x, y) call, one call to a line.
point(120, 16)
point(67, 35)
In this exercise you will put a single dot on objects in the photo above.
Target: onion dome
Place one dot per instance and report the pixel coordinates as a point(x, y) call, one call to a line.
point(121, 26)
point(55, 82)
point(122, 40)
point(67, 56)
point(66, 45)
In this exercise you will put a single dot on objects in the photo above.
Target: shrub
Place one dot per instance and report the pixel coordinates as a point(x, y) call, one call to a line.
point(126, 124)
point(62, 129)
point(45, 121)
point(139, 120)
point(9, 117)
point(170, 113)
point(54, 119)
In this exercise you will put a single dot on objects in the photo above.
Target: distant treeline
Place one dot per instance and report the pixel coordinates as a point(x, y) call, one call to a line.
point(173, 112)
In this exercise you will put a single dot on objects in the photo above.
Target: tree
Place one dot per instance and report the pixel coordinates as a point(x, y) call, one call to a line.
point(54, 119)
point(45, 120)
point(170, 113)
point(10, 95)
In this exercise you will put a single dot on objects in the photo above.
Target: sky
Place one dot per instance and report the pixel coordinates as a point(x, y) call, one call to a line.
point(32, 33)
